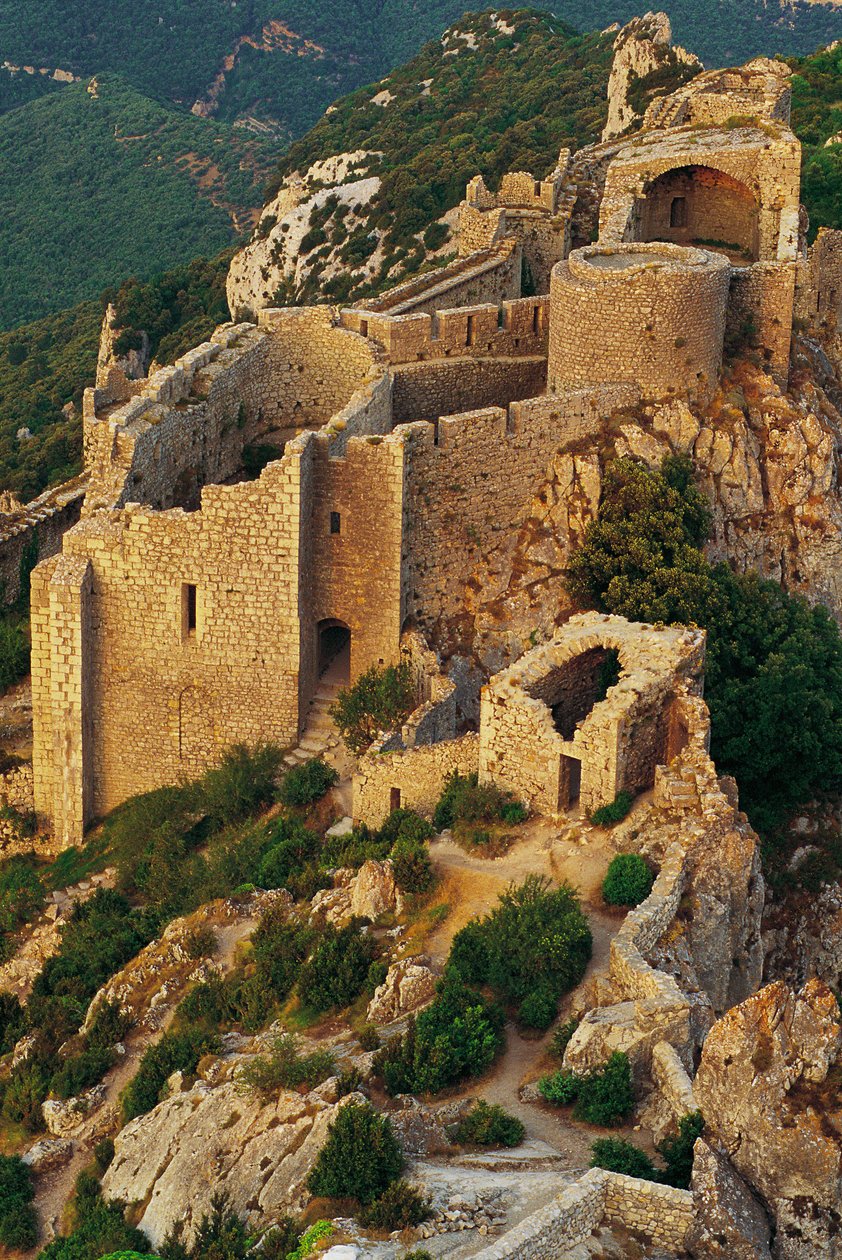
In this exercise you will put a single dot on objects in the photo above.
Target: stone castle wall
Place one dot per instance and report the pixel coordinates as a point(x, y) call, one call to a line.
point(37, 528)
point(468, 478)
point(760, 312)
point(418, 773)
point(492, 273)
point(819, 293)
point(662, 306)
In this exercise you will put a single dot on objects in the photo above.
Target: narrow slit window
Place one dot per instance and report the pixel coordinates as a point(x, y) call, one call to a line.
point(363, 327)
point(536, 319)
point(394, 799)
point(678, 212)
point(335, 523)
point(469, 335)
point(189, 609)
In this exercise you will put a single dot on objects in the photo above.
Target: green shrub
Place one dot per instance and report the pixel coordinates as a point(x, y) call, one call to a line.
point(304, 784)
point(284, 1068)
point(369, 1037)
point(103, 1154)
point(310, 1239)
point(459, 1034)
point(400, 1206)
point(608, 815)
point(242, 783)
point(175, 1052)
point(562, 1037)
point(465, 799)
point(487, 1124)
point(620, 1156)
point(14, 651)
point(12, 1021)
point(109, 1025)
point(405, 824)
point(358, 846)
point(279, 947)
point(605, 1096)
point(360, 1159)
point(98, 1228)
point(18, 1225)
point(677, 1152)
point(560, 1088)
point(628, 880)
point(534, 945)
point(413, 869)
point(81, 1071)
point(26, 1089)
point(292, 848)
point(380, 699)
point(377, 973)
point(336, 972)
point(22, 894)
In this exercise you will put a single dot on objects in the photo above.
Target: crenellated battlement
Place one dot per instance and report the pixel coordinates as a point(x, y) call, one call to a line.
point(511, 329)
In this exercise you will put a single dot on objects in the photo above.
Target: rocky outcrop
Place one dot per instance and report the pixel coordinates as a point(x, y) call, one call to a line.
point(115, 372)
point(409, 984)
point(367, 893)
point(175, 1158)
point(770, 1104)
point(643, 46)
point(730, 1223)
point(277, 256)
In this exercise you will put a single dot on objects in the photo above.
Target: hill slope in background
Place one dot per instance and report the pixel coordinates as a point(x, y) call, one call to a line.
point(99, 182)
point(284, 61)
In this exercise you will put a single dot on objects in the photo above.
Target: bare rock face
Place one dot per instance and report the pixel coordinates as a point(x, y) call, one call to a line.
point(114, 371)
point(48, 1154)
point(206, 1140)
point(365, 894)
point(730, 1222)
point(763, 1088)
point(408, 985)
point(641, 47)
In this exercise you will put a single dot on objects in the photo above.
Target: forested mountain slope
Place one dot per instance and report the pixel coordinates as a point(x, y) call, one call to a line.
point(284, 61)
point(98, 182)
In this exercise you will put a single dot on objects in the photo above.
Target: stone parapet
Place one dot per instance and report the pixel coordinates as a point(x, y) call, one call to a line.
point(35, 530)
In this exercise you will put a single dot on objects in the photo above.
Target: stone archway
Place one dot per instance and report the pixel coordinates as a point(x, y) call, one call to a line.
point(699, 205)
point(333, 651)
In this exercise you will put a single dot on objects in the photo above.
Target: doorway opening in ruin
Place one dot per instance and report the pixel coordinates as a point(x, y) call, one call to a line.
point(698, 205)
point(570, 783)
point(334, 651)
point(571, 691)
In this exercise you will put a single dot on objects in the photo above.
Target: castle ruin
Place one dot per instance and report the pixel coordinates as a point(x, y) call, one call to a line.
point(191, 607)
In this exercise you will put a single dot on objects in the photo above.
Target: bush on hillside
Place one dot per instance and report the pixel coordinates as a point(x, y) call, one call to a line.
point(337, 970)
point(603, 1096)
point(242, 783)
point(292, 848)
point(175, 1052)
point(487, 1124)
point(98, 1227)
point(458, 1035)
point(14, 651)
point(400, 1206)
point(304, 784)
point(18, 1224)
point(535, 945)
point(562, 1037)
point(617, 1155)
point(22, 894)
point(628, 880)
point(465, 800)
point(360, 1159)
point(677, 1152)
point(284, 1068)
point(380, 698)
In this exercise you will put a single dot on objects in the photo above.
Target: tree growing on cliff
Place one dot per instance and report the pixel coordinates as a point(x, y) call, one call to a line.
point(380, 698)
point(773, 675)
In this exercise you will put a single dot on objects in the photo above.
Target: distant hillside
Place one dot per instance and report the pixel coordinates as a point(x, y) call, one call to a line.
point(284, 61)
point(98, 183)
point(817, 121)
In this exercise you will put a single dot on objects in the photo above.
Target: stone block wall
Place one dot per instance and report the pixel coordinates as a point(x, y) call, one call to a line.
point(660, 1213)
point(819, 293)
point(188, 426)
point(39, 526)
point(418, 773)
point(660, 311)
point(760, 312)
point(502, 329)
point(468, 478)
point(492, 273)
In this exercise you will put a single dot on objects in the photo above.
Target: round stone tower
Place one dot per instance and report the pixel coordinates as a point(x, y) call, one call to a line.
point(651, 313)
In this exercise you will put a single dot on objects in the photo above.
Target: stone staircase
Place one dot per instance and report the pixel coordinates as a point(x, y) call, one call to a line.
point(320, 735)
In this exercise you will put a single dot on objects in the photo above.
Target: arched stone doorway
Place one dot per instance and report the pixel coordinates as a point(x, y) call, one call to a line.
point(333, 651)
point(698, 205)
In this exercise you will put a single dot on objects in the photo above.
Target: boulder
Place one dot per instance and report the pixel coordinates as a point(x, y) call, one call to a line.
point(48, 1154)
point(632, 1028)
point(409, 984)
point(207, 1140)
point(730, 1221)
point(763, 1088)
point(65, 1116)
point(367, 893)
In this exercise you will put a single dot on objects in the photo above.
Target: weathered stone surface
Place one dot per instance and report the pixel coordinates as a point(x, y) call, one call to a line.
point(730, 1222)
point(65, 1116)
point(48, 1154)
point(641, 47)
point(408, 985)
point(762, 1087)
point(192, 1145)
point(367, 894)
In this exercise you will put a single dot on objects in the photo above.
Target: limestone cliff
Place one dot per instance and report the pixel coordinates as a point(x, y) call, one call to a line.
point(767, 1088)
point(114, 371)
point(278, 257)
point(642, 48)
